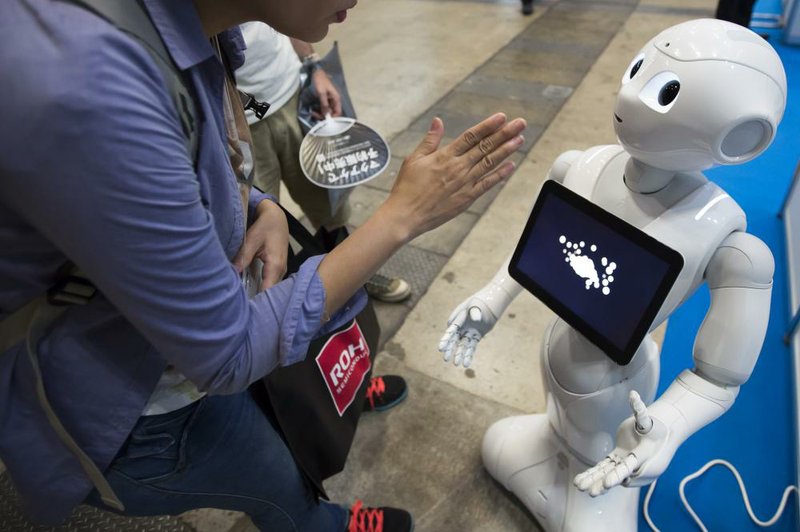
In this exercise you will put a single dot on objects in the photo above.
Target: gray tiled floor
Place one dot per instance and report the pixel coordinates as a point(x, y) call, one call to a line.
point(418, 474)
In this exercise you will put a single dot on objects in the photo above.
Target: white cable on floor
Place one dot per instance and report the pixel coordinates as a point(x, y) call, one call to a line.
point(745, 498)
point(646, 509)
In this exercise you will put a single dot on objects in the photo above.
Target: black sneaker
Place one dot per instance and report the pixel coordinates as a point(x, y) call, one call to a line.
point(380, 287)
point(527, 7)
point(385, 392)
point(388, 289)
point(381, 519)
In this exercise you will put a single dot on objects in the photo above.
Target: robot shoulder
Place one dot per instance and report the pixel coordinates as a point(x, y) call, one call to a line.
point(562, 164)
point(578, 158)
point(742, 260)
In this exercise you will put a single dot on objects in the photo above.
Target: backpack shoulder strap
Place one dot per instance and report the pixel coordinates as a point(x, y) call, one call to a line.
point(30, 322)
point(130, 17)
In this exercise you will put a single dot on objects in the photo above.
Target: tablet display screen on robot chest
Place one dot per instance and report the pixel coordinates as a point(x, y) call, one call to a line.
point(601, 275)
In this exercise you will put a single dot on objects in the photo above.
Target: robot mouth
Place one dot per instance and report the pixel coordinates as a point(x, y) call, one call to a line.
point(617, 118)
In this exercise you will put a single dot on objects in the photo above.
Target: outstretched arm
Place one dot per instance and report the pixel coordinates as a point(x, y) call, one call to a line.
point(476, 316)
point(435, 184)
point(725, 352)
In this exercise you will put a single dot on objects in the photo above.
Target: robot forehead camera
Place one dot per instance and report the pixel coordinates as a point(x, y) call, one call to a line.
point(701, 93)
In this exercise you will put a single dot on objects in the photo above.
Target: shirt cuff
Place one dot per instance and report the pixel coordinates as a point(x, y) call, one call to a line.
point(256, 197)
point(303, 321)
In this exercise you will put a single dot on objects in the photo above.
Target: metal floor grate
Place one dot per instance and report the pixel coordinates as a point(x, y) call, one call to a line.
point(83, 519)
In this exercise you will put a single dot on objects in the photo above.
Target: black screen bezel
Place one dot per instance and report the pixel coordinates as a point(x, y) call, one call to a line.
point(673, 259)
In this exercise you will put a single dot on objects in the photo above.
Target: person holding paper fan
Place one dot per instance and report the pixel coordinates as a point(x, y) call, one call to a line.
point(271, 73)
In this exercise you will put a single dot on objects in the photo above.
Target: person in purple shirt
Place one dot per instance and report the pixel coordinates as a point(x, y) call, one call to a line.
point(150, 376)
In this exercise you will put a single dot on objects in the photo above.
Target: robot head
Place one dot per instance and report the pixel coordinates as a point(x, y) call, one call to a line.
point(701, 93)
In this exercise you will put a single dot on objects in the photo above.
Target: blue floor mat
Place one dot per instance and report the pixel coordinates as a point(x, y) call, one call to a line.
point(758, 434)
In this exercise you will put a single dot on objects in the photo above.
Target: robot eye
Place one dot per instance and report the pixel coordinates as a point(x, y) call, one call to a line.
point(661, 92)
point(669, 92)
point(633, 68)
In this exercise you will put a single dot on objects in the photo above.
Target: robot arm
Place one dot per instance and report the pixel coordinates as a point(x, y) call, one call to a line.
point(730, 339)
point(476, 316)
point(725, 352)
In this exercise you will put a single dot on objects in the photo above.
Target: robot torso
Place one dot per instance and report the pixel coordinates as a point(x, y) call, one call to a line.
point(690, 214)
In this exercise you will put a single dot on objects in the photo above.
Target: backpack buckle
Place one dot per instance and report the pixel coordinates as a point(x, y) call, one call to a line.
point(249, 102)
point(71, 290)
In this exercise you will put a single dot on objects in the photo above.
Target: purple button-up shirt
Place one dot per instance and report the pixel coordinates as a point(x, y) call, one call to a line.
point(94, 169)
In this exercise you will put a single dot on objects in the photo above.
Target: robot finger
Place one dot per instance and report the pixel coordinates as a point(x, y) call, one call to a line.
point(637, 405)
point(583, 480)
point(469, 350)
point(597, 489)
point(463, 343)
point(591, 476)
point(460, 352)
point(448, 341)
point(458, 318)
point(643, 421)
point(621, 472)
point(578, 480)
point(447, 352)
point(468, 357)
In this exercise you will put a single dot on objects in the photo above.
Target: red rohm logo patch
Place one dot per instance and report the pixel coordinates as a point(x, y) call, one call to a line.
point(344, 362)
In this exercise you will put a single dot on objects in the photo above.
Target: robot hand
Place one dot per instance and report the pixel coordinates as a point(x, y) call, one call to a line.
point(468, 323)
point(643, 452)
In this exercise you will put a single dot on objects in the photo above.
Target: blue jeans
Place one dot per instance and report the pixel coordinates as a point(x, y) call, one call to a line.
point(219, 452)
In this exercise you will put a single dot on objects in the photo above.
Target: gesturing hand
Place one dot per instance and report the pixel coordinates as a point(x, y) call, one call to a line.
point(433, 185)
point(436, 183)
point(466, 326)
point(643, 452)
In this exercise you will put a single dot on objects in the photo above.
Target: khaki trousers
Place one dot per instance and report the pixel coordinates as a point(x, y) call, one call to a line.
point(276, 147)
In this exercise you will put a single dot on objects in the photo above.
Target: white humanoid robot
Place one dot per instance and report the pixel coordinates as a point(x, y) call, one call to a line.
point(700, 94)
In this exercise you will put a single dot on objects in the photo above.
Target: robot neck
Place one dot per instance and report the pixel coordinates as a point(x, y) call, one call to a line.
point(645, 179)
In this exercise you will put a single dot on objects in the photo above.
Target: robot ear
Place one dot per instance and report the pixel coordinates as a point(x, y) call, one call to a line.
point(745, 141)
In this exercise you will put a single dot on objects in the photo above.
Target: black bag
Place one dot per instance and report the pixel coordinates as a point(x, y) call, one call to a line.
point(316, 403)
point(308, 100)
